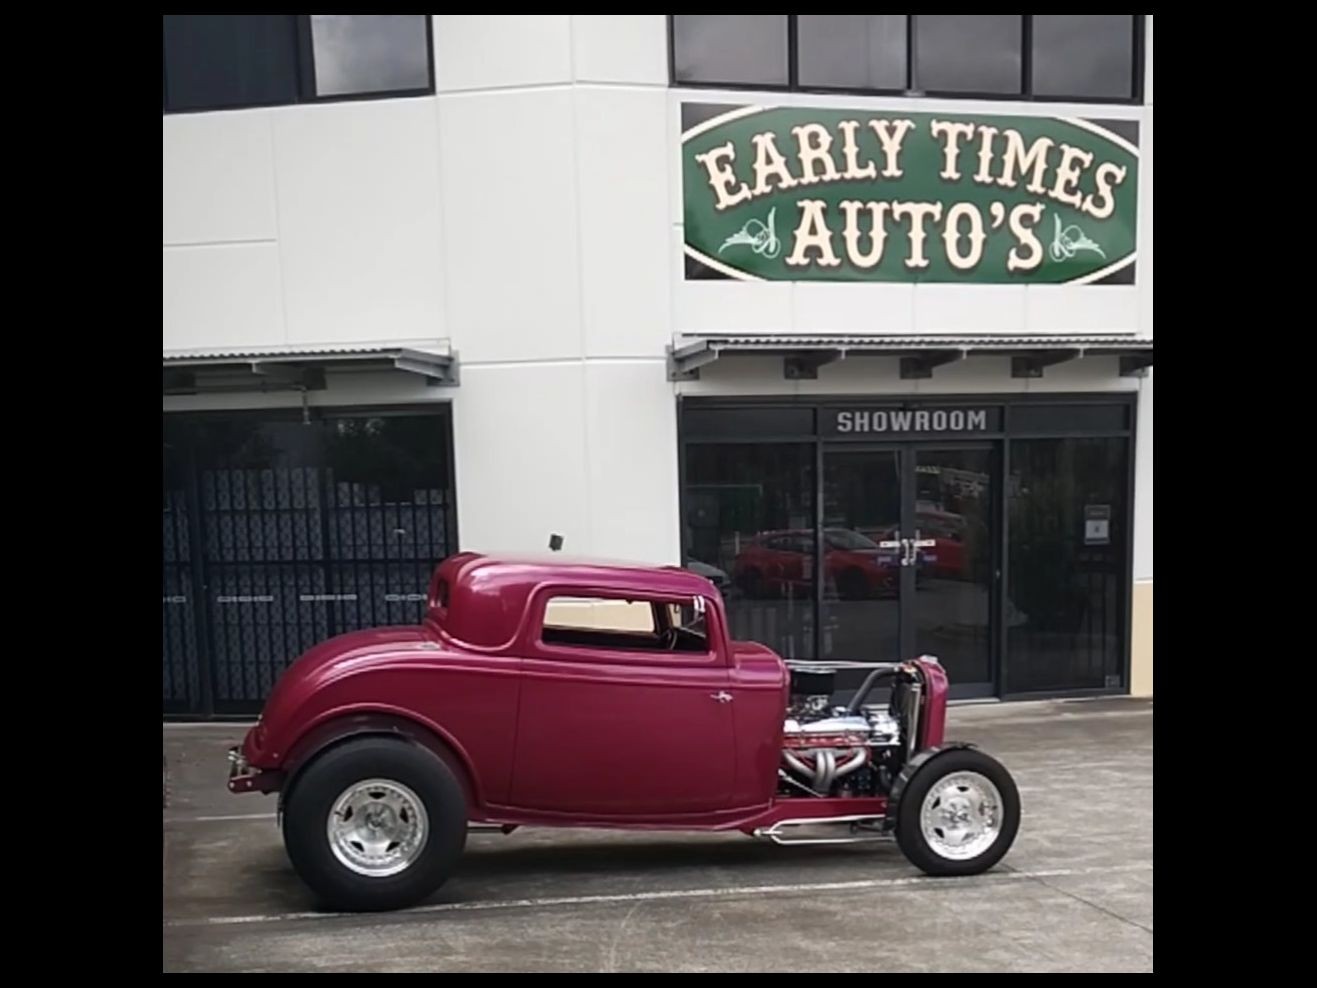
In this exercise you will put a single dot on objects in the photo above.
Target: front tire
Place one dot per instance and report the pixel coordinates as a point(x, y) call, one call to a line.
point(959, 814)
point(375, 824)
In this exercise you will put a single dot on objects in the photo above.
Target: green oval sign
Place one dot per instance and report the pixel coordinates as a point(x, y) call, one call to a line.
point(802, 194)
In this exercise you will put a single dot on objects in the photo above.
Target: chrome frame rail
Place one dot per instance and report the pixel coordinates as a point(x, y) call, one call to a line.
point(774, 833)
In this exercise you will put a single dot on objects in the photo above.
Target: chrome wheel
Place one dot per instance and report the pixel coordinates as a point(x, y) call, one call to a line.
point(377, 827)
point(961, 816)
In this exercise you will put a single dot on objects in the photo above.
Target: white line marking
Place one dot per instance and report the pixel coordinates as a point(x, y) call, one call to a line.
point(720, 119)
point(705, 893)
point(216, 819)
point(1093, 128)
point(232, 725)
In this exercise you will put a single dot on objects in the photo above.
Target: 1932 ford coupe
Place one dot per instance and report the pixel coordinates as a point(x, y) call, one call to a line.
point(598, 695)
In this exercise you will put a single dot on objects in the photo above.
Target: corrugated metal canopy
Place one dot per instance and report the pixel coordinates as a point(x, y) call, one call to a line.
point(919, 355)
point(300, 367)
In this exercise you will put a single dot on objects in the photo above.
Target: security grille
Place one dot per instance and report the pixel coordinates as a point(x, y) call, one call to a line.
point(282, 532)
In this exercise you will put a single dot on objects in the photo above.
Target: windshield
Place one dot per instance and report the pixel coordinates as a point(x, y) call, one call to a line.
point(843, 538)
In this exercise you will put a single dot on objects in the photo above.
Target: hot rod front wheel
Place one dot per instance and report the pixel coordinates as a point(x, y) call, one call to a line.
point(959, 814)
point(375, 824)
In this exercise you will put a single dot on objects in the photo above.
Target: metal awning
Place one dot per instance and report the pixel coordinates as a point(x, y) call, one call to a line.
point(301, 368)
point(919, 355)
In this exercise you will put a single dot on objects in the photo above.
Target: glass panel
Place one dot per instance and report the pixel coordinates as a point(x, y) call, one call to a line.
point(750, 528)
point(852, 51)
point(307, 530)
point(1083, 55)
point(1065, 609)
point(370, 53)
point(861, 579)
point(749, 49)
point(219, 60)
point(1027, 418)
point(969, 53)
point(747, 423)
point(954, 574)
point(599, 614)
point(386, 514)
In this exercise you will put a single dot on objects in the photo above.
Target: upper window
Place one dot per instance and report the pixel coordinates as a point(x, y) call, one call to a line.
point(227, 61)
point(735, 49)
point(852, 51)
point(970, 53)
point(1082, 53)
point(1002, 56)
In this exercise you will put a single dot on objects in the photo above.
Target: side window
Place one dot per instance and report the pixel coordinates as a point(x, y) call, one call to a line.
point(690, 626)
point(614, 624)
point(598, 614)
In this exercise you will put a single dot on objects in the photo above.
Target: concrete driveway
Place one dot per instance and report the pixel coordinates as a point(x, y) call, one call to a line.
point(1074, 894)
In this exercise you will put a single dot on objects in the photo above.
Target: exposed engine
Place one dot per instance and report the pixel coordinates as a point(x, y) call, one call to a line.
point(854, 750)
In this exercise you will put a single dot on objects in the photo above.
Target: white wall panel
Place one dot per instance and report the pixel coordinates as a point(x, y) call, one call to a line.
point(520, 451)
point(482, 51)
point(512, 254)
point(226, 295)
point(631, 425)
point(218, 177)
point(627, 298)
point(620, 48)
point(359, 221)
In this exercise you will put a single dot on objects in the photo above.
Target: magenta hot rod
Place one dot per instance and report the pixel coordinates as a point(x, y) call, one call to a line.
point(598, 695)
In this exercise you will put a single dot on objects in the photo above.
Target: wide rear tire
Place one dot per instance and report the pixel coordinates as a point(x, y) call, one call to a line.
point(375, 824)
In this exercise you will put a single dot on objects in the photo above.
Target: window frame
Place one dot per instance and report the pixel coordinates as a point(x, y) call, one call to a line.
point(304, 70)
point(612, 655)
point(911, 89)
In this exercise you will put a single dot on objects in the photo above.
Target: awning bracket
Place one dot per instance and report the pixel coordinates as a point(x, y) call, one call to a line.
point(922, 366)
point(805, 366)
point(1033, 364)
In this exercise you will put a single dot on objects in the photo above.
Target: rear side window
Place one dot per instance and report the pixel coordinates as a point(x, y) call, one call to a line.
point(617, 624)
point(598, 614)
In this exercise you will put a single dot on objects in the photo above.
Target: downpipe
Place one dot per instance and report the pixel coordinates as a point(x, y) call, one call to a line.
point(825, 772)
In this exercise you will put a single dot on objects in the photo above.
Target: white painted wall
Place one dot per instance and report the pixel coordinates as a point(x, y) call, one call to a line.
point(530, 213)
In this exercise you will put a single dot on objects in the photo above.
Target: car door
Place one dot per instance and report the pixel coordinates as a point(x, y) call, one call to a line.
point(611, 724)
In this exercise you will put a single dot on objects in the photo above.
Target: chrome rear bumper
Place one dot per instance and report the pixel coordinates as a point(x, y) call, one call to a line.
point(244, 778)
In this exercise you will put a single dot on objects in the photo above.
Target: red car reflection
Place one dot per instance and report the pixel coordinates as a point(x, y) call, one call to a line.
point(945, 559)
point(776, 564)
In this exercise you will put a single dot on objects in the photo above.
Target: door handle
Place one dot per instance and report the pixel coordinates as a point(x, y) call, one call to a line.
point(722, 696)
point(915, 544)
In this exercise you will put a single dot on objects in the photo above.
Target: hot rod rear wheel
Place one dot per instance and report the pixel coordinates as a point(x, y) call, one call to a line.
point(959, 814)
point(375, 824)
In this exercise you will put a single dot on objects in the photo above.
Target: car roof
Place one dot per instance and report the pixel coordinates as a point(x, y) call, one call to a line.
point(487, 594)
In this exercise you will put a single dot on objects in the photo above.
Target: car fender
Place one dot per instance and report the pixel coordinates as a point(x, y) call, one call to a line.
point(917, 761)
point(340, 729)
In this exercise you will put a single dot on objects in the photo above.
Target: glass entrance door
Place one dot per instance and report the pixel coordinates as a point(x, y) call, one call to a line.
point(861, 556)
point(909, 558)
point(953, 529)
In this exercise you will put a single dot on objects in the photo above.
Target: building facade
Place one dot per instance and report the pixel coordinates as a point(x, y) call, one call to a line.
point(851, 313)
